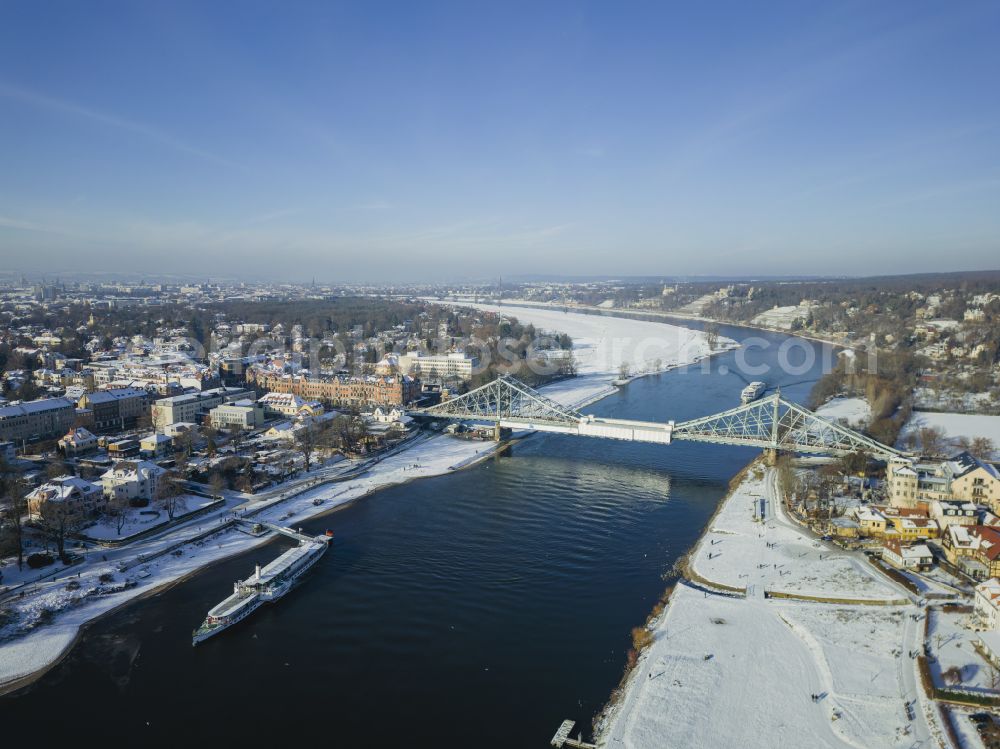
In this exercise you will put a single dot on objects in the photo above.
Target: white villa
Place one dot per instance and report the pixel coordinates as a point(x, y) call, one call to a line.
point(132, 480)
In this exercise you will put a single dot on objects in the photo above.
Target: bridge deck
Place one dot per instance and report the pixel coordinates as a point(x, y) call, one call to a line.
point(615, 429)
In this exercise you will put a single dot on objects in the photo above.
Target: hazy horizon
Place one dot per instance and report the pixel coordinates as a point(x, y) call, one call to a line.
point(447, 141)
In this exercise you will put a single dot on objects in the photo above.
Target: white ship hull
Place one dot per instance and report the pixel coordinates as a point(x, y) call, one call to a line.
point(265, 586)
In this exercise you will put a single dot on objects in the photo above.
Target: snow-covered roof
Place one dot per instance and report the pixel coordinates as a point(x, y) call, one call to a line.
point(63, 488)
point(132, 469)
point(965, 462)
point(989, 588)
point(78, 434)
point(33, 407)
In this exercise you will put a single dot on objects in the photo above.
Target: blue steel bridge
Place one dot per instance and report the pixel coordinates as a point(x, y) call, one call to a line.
point(771, 423)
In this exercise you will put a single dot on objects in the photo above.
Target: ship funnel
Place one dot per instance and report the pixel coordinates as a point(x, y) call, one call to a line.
point(257, 572)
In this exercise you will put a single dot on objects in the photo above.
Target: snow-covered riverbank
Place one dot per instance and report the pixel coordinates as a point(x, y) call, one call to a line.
point(602, 345)
point(726, 669)
point(46, 621)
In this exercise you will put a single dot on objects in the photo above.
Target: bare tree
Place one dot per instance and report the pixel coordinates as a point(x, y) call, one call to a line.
point(623, 370)
point(244, 482)
point(218, 482)
point(711, 335)
point(13, 492)
point(854, 463)
point(54, 467)
point(932, 441)
point(118, 507)
point(952, 675)
point(169, 492)
point(236, 435)
point(994, 674)
point(982, 447)
point(787, 480)
point(57, 519)
point(350, 431)
point(183, 446)
point(307, 439)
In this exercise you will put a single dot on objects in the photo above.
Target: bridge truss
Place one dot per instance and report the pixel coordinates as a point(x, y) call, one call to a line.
point(769, 423)
point(776, 424)
point(502, 399)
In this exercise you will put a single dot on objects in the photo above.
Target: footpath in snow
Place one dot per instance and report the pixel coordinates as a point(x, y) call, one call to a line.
point(729, 670)
point(46, 620)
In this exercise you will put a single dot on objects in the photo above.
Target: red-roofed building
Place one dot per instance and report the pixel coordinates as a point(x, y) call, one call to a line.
point(917, 557)
point(979, 555)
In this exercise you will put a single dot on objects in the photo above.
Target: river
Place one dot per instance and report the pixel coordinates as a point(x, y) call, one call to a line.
point(479, 608)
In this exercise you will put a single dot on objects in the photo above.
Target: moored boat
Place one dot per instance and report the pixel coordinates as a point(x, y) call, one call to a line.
point(267, 584)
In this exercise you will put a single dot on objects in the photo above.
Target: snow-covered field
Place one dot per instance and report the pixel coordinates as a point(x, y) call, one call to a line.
point(143, 519)
point(955, 426)
point(735, 671)
point(731, 672)
point(739, 551)
point(952, 645)
point(851, 412)
point(604, 343)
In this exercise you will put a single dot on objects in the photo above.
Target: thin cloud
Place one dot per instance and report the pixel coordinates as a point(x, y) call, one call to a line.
point(12, 223)
point(943, 192)
point(66, 107)
point(273, 216)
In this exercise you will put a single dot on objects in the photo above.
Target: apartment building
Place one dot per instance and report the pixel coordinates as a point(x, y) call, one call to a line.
point(355, 392)
point(117, 408)
point(241, 414)
point(455, 365)
point(289, 404)
point(194, 407)
point(963, 478)
point(48, 418)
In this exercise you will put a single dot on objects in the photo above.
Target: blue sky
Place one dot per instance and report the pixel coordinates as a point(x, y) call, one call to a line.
point(427, 140)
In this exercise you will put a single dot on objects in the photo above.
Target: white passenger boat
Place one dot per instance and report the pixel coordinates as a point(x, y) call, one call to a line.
point(267, 584)
point(753, 391)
